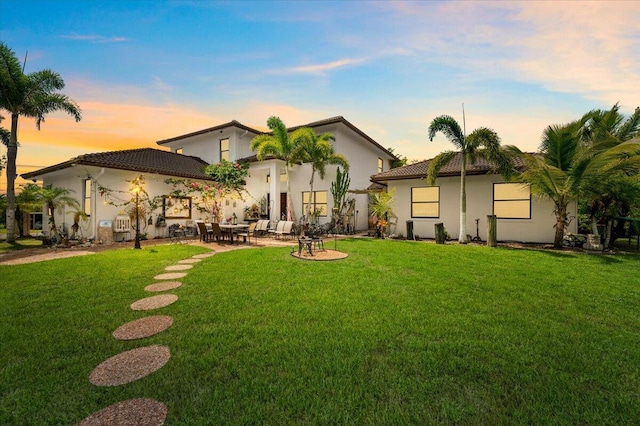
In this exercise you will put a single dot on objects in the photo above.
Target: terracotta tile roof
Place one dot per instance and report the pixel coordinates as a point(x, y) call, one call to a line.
point(146, 160)
point(419, 170)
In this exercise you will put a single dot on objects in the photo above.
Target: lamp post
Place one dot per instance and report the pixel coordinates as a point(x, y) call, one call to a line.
point(136, 189)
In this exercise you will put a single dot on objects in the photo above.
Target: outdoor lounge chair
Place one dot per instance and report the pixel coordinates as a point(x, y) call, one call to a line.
point(285, 230)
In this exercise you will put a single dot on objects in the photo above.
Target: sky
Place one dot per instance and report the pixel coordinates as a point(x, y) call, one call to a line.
point(145, 70)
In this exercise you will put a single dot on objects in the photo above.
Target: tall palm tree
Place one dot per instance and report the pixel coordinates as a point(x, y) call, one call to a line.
point(30, 95)
point(280, 145)
point(481, 143)
point(56, 198)
point(318, 151)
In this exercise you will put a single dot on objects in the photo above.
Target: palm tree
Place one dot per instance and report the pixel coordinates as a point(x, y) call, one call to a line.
point(481, 143)
point(56, 198)
point(280, 145)
point(565, 164)
point(31, 95)
point(317, 151)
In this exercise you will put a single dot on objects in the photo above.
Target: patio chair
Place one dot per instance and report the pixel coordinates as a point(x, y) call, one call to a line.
point(217, 233)
point(251, 232)
point(285, 230)
point(206, 235)
point(262, 227)
point(278, 229)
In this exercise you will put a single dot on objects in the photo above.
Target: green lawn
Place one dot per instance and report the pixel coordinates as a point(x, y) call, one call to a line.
point(397, 333)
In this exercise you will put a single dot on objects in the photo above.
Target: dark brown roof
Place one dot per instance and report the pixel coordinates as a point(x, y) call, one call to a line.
point(327, 121)
point(232, 123)
point(419, 170)
point(146, 160)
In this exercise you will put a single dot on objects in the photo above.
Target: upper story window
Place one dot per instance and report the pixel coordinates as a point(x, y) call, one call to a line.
point(86, 197)
point(511, 201)
point(224, 149)
point(425, 201)
point(380, 165)
point(178, 150)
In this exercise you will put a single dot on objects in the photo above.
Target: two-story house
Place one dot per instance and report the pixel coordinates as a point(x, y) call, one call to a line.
point(102, 181)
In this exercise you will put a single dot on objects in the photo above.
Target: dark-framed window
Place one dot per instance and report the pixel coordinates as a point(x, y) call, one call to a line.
point(511, 201)
point(176, 207)
point(318, 202)
point(86, 196)
point(425, 201)
point(380, 165)
point(224, 149)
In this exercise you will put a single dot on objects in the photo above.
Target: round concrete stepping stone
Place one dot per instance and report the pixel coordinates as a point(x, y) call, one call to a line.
point(154, 302)
point(170, 276)
point(129, 366)
point(203, 255)
point(188, 261)
point(163, 286)
point(139, 411)
point(178, 267)
point(144, 327)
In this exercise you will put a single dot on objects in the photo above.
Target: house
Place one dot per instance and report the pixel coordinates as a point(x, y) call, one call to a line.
point(520, 216)
point(102, 182)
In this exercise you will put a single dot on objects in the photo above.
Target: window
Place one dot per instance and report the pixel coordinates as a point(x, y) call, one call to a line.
point(511, 201)
point(86, 197)
point(425, 201)
point(224, 149)
point(178, 150)
point(318, 202)
point(380, 165)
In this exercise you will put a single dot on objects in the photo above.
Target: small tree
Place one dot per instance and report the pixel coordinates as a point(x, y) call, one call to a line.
point(55, 198)
point(339, 189)
point(382, 209)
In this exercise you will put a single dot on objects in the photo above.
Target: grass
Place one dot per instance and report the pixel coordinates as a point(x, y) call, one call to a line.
point(397, 333)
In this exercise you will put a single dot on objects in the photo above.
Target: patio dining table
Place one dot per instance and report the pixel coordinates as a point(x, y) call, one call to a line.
point(233, 229)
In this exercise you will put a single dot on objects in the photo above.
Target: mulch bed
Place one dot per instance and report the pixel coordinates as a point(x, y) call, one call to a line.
point(320, 255)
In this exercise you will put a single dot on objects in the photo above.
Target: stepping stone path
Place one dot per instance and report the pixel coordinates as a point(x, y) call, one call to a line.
point(135, 364)
point(144, 327)
point(170, 276)
point(178, 267)
point(154, 302)
point(139, 411)
point(129, 366)
point(163, 286)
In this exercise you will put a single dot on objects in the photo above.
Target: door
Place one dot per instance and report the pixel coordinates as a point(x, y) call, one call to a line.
point(283, 206)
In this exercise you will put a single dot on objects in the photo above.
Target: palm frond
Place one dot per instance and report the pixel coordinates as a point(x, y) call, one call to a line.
point(450, 128)
point(437, 163)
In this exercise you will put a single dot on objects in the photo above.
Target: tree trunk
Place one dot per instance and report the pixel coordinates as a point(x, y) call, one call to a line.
point(561, 218)
point(290, 215)
point(462, 238)
point(492, 231)
point(440, 234)
point(12, 154)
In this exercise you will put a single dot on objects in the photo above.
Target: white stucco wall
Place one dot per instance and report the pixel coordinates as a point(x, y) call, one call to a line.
point(72, 178)
point(539, 228)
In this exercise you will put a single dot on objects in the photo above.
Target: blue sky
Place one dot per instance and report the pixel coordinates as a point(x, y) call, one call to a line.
point(146, 70)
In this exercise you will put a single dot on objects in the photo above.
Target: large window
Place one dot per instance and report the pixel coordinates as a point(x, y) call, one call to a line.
point(86, 197)
point(224, 149)
point(380, 165)
point(425, 201)
point(511, 201)
point(318, 202)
